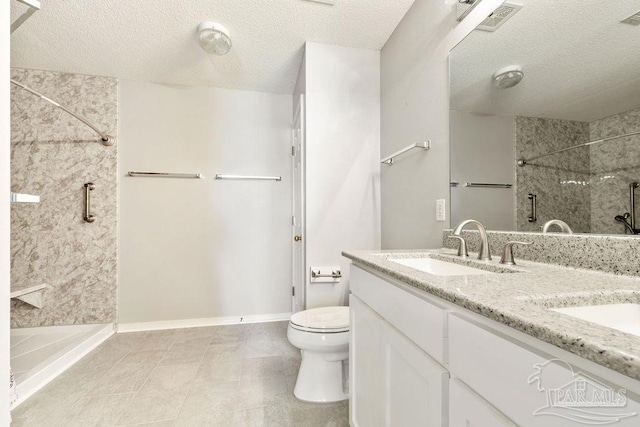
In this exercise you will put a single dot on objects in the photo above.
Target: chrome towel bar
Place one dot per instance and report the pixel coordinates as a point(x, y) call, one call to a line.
point(389, 160)
point(88, 188)
point(486, 185)
point(249, 177)
point(165, 175)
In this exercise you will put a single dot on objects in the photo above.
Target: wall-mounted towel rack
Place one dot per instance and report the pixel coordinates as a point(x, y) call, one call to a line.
point(389, 160)
point(249, 177)
point(486, 185)
point(165, 175)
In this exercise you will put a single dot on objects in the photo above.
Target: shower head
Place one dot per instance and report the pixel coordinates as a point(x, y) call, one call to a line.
point(623, 219)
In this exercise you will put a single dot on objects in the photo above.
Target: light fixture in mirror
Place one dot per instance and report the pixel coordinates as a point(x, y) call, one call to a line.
point(575, 119)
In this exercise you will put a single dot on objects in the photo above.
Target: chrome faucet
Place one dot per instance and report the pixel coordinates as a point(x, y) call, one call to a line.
point(564, 227)
point(484, 253)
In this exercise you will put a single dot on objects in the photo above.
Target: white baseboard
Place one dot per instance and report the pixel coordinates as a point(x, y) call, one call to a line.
point(196, 323)
point(48, 373)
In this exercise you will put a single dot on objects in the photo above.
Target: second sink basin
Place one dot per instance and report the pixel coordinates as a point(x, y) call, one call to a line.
point(623, 317)
point(437, 267)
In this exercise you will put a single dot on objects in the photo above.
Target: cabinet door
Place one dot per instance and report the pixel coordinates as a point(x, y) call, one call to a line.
point(467, 409)
point(364, 365)
point(414, 386)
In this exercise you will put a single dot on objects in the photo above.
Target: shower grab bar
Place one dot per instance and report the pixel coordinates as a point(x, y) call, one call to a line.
point(632, 204)
point(534, 208)
point(486, 185)
point(249, 177)
point(523, 162)
point(335, 274)
point(164, 175)
point(106, 139)
point(88, 188)
point(389, 159)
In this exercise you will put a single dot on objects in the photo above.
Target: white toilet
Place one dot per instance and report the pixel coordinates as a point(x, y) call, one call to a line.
point(322, 335)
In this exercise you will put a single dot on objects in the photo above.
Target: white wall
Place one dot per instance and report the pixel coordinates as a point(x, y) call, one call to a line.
point(483, 149)
point(415, 107)
point(342, 159)
point(5, 156)
point(194, 249)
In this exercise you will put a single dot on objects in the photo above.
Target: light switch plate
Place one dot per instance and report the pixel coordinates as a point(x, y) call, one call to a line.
point(441, 211)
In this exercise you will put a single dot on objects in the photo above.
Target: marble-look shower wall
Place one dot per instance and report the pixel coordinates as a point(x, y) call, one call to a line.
point(561, 182)
point(614, 165)
point(54, 155)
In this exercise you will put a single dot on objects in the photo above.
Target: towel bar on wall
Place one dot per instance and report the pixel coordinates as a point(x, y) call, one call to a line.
point(164, 175)
point(389, 159)
point(249, 177)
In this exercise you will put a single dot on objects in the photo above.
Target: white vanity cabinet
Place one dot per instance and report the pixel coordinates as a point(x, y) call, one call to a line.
point(394, 382)
point(417, 360)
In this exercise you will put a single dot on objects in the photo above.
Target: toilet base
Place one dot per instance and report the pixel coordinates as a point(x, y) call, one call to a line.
point(320, 378)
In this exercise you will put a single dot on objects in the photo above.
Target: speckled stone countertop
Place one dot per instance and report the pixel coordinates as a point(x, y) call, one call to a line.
point(521, 299)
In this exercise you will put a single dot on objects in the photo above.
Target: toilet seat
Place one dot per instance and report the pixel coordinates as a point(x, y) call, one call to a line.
point(323, 320)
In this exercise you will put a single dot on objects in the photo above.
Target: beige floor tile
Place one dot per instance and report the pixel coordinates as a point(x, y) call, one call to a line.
point(221, 389)
point(188, 351)
point(129, 374)
point(96, 411)
point(216, 369)
point(161, 397)
point(193, 333)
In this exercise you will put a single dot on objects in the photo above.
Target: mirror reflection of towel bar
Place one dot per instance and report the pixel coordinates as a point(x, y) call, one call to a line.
point(487, 185)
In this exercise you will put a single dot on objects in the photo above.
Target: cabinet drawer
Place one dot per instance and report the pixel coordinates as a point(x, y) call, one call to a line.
point(517, 379)
point(421, 321)
point(467, 409)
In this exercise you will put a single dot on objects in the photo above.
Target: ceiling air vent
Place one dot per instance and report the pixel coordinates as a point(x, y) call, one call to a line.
point(633, 19)
point(499, 16)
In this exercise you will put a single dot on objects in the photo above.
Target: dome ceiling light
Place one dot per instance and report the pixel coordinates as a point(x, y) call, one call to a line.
point(214, 38)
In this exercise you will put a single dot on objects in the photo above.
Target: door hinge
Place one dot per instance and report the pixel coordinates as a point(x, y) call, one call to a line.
point(293, 291)
point(293, 150)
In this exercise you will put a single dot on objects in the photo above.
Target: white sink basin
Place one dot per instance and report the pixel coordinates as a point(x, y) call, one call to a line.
point(623, 317)
point(437, 267)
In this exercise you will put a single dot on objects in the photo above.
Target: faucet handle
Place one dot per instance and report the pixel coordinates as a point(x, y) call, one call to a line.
point(507, 252)
point(462, 249)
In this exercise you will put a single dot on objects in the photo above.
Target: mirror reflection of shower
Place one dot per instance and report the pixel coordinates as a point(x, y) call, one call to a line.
point(629, 218)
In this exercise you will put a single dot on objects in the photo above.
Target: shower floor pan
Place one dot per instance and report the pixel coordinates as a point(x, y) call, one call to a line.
point(38, 355)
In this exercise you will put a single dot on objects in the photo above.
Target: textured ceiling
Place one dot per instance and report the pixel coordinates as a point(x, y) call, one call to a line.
point(155, 40)
point(580, 62)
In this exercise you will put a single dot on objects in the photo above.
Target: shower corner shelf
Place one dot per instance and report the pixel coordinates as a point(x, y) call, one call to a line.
point(24, 198)
point(31, 295)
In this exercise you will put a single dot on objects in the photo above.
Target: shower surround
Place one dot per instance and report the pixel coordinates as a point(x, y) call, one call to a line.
point(585, 187)
point(53, 155)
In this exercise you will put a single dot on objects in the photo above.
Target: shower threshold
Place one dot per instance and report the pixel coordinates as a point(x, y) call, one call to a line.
point(38, 355)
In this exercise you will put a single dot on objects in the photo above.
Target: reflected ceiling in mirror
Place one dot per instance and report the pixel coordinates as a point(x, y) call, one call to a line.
point(538, 77)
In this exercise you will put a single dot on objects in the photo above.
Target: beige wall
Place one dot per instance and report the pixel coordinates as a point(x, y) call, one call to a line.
point(200, 249)
point(53, 155)
point(415, 107)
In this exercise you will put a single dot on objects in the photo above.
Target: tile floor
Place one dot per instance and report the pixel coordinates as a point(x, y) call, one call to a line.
point(240, 375)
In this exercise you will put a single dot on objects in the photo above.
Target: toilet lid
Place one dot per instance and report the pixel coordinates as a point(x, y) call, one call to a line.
point(335, 319)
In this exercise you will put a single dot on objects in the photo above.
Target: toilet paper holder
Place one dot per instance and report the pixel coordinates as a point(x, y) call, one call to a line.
point(317, 274)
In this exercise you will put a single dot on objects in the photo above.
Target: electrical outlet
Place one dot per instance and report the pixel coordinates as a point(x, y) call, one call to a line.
point(441, 211)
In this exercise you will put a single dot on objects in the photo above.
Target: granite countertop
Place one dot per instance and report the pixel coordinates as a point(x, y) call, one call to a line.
point(520, 297)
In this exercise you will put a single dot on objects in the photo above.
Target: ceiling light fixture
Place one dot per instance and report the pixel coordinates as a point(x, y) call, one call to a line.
point(508, 77)
point(214, 38)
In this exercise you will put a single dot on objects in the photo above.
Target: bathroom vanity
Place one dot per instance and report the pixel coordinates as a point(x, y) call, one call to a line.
point(439, 340)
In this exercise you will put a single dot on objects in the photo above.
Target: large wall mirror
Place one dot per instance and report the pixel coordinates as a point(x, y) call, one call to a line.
point(545, 120)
